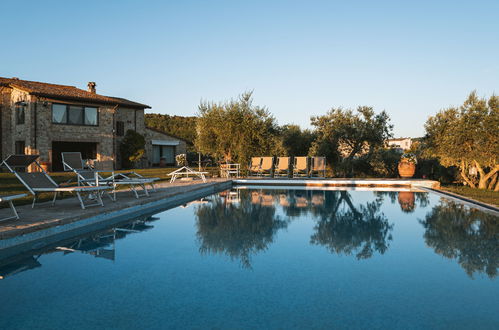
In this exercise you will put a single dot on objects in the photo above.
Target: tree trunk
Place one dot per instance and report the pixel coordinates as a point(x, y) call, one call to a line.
point(465, 177)
point(497, 186)
point(485, 177)
point(492, 182)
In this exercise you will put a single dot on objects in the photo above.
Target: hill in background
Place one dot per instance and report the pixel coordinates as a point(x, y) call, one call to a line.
point(182, 127)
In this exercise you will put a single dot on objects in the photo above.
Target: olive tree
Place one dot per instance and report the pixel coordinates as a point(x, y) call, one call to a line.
point(468, 137)
point(236, 130)
point(296, 141)
point(343, 134)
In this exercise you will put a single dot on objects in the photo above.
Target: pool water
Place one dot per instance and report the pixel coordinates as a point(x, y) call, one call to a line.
point(256, 258)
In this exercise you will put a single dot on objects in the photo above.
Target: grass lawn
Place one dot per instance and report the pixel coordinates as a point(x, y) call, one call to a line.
point(486, 196)
point(9, 185)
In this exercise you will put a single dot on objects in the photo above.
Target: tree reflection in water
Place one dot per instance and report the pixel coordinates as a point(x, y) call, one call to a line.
point(239, 230)
point(467, 235)
point(346, 229)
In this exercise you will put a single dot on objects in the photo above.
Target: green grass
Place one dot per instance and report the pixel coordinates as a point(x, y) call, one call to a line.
point(10, 185)
point(486, 196)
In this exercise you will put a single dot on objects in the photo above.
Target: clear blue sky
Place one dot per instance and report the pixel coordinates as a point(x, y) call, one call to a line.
point(300, 57)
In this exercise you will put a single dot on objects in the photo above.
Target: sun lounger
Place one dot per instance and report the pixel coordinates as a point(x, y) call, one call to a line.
point(267, 166)
point(72, 161)
point(254, 166)
point(186, 171)
point(318, 167)
point(40, 182)
point(282, 166)
point(9, 200)
point(300, 167)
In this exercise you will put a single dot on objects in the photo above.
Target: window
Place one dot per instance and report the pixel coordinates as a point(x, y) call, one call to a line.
point(20, 114)
point(74, 115)
point(120, 128)
point(59, 115)
point(90, 116)
point(20, 147)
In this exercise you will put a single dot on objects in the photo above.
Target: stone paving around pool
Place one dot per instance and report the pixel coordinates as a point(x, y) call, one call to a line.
point(68, 210)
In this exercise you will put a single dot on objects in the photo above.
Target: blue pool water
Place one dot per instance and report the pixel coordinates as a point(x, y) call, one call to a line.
point(269, 259)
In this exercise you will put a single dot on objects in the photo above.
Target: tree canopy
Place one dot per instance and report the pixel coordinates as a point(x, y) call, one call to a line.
point(468, 137)
point(296, 141)
point(182, 127)
point(236, 130)
point(343, 134)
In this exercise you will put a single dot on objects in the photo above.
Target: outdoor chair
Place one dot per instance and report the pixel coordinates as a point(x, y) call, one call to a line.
point(254, 166)
point(300, 166)
point(318, 167)
point(40, 182)
point(229, 170)
point(9, 200)
point(87, 176)
point(282, 166)
point(266, 166)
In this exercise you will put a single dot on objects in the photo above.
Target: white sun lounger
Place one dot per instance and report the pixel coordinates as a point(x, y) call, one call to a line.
point(9, 200)
point(38, 182)
point(186, 171)
point(73, 161)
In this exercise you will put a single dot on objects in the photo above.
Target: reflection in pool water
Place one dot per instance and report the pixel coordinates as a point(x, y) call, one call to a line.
point(466, 235)
point(255, 258)
point(238, 230)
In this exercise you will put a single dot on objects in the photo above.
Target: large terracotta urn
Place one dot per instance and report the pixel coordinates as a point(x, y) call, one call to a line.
point(406, 169)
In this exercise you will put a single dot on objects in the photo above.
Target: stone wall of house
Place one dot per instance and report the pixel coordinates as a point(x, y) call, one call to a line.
point(50, 132)
point(5, 122)
point(181, 148)
point(133, 119)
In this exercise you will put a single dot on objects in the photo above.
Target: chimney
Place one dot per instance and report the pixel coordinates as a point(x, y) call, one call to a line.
point(91, 87)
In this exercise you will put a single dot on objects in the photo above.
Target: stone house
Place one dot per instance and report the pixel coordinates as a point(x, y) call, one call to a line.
point(163, 146)
point(47, 119)
point(399, 144)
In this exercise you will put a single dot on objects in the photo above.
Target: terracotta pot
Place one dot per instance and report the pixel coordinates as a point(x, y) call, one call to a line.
point(406, 169)
point(406, 201)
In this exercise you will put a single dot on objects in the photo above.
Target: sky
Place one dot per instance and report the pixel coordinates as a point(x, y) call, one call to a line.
point(300, 58)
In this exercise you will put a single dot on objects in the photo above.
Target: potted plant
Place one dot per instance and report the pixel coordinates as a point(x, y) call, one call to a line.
point(407, 165)
point(181, 160)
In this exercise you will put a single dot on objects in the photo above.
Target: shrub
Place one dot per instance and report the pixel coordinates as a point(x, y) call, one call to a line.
point(132, 148)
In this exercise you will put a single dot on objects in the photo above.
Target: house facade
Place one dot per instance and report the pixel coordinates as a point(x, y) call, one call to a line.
point(47, 119)
point(399, 144)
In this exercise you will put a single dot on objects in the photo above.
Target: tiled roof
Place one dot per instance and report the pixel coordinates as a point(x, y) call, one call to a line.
point(63, 92)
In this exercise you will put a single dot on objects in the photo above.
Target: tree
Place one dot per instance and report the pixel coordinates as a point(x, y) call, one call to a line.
point(343, 134)
point(236, 130)
point(295, 141)
point(132, 148)
point(468, 137)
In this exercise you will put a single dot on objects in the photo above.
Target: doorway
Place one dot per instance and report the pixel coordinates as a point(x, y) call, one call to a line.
point(88, 150)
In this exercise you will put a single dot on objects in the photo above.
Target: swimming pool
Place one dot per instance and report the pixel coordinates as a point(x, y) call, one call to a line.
point(269, 258)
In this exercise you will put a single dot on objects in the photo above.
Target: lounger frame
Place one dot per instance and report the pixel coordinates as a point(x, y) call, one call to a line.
point(9, 200)
point(83, 194)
